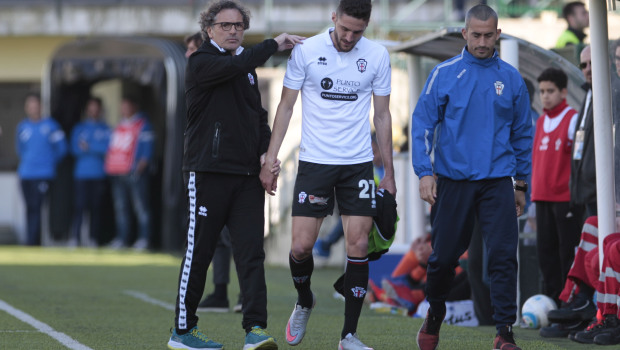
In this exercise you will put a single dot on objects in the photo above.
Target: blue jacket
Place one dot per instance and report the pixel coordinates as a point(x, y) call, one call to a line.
point(480, 110)
point(89, 162)
point(40, 145)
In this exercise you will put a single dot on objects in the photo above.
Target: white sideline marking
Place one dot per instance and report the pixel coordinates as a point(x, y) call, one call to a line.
point(147, 299)
point(43, 327)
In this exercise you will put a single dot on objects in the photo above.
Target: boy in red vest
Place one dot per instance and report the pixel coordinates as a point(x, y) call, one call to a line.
point(558, 228)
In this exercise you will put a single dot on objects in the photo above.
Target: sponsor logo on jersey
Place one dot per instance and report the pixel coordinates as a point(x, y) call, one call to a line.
point(358, 292)
point(317, 200)
point(499, 88)
point(361, 65)
point(302, 197)
point(322, 61)
point(338, 97)
point(202, 211)
point(251, 78)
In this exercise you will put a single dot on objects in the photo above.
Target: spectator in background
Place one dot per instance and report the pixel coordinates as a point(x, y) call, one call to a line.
point(578, 19)
point(89, 144)
point(192, 43)
point(583, 170)
point(40, 145)
point(558, 232)
point(127, 162)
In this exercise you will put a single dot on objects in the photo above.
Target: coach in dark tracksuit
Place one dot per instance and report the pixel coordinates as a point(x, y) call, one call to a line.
point(227, 132)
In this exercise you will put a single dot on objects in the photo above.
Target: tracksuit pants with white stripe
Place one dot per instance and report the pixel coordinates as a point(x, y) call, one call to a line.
point(215, 200)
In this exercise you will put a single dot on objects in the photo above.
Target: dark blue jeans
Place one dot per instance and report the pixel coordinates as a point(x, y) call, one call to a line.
point(34, 191)
point(131, 192)
point(88, 197)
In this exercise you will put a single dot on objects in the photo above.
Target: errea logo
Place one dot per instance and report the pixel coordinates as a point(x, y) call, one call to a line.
point(202, 211)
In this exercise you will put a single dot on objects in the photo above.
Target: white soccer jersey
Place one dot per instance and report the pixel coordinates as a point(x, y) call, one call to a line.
point(336, 92)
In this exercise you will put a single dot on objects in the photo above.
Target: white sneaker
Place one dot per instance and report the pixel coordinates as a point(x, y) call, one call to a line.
point(296, 326)
point(116, 244)
point(352, 342)
point(141, 244)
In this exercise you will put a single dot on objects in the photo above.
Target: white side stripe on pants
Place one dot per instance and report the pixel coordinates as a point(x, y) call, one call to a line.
point(191, 187)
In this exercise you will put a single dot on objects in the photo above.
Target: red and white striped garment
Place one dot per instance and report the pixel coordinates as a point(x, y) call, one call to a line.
point(608, 296)
point(585, 266)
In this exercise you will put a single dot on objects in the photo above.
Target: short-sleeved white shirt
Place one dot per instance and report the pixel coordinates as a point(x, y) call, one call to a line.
point(336, 92)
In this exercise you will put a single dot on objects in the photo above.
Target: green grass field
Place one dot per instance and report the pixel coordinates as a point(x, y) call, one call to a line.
point(101, 299)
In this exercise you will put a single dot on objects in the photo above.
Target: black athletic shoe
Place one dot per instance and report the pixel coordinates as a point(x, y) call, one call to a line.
point(597, 328)
point(213, 304)
point(562, 330)
point(611, 337)
point(579, 310)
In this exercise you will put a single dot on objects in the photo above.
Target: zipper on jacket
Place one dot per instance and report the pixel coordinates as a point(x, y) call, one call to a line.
point(216, 140)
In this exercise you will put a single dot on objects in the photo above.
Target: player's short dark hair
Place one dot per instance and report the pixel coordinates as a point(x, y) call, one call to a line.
point(95, 99)
point(196, 38)
point(207, 18)
point(34, 95)
point(570, 8)
point(554, 75)
point(359, 9)
point(133, 99)
point(481, 12)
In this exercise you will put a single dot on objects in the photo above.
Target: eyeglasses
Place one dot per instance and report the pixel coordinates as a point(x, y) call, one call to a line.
point(226, 26)
point(583, 65)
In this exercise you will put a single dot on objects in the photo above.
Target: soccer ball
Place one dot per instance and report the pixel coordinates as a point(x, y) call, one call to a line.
point(534, 311)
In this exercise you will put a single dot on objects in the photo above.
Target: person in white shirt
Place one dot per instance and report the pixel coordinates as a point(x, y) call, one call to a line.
point(338, 73)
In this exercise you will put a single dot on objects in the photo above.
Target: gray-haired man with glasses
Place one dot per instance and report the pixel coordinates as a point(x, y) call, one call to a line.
point(226, 137)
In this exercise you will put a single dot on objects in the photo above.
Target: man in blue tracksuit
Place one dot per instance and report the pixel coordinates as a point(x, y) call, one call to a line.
point(89, 143)
point(40, 144)
point(474, 114)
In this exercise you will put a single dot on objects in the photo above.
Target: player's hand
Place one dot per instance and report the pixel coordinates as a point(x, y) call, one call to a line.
point(269, 174)
point(428, 189)
point(520, 202)
point(275, 169)
point(389, 184)
point(287, 41)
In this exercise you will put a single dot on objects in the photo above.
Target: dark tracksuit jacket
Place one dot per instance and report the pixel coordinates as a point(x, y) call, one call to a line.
point(227, 131)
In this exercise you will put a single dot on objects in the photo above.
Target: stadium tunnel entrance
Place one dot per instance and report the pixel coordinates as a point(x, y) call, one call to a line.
point(151, 69)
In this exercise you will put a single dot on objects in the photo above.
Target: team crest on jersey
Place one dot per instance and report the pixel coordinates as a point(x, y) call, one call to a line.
point(358, 292)
point(317, 200)
point(300, 279)
point(499, 88)
point(251, 78)
point(361, 65)
point(302, 197)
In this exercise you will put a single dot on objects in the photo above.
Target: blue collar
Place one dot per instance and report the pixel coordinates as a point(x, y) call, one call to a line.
point(485, 62)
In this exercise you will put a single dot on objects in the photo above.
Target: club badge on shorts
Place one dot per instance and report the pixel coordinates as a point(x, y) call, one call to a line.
point(302, 197)
point(499, 88)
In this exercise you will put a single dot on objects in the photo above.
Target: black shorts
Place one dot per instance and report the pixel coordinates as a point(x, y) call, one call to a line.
point(318, 185)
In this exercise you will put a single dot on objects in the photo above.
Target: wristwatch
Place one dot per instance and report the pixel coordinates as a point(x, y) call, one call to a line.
point(521, 188)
